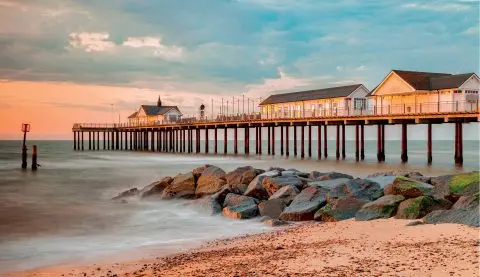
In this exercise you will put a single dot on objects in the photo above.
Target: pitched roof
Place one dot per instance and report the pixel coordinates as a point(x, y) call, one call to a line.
point(324, 93)
point(432, 81)
point(133, 115)
point(156, 110)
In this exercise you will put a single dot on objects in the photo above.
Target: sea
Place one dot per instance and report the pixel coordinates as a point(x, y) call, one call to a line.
point(62, 213)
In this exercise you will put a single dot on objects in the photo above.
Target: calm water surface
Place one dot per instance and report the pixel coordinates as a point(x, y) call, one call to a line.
point(62, 213)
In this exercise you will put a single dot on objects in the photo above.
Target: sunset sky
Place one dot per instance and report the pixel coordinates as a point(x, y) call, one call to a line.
point(65, 61)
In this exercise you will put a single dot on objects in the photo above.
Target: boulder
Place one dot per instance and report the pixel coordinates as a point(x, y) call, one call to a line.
point(331, 176)
point(383, 181)
point(239, 206)
point(383, 207)
point(295, 172)
point(272, 208)
point(241, 177)
point(256, 189)
point(286, 194)
point(465, 211)
point(418, 207)
point(221, 194)
point(197, 172)
point(211, 181)
point(273, 184)
point(408, 174)
point(182, 186)
point(208, 205)
point(127, 193)
point(339, 209)
point(328, 184)
point(452, 187)
point(156, 188)
point(408, 188)
point(304, 206)
point(279, 169)
point(275, 222)
point(357, 188)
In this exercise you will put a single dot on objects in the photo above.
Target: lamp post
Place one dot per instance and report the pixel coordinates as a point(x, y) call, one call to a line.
point(25, 130)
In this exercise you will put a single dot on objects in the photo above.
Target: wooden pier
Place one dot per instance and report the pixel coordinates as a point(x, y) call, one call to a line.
point(178, 136)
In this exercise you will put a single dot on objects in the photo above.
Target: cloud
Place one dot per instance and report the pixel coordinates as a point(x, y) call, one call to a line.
point(445, 7)
point(472, 31)
point(91, 42)
point(283, 82)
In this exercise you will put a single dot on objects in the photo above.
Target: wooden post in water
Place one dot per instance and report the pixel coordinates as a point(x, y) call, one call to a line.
point(319, 142)
point(74, 140)
point(357, 150)
point(260, 140)
point(302, 141)
point(268, 140)
point(34, 158)
point(429, 143)
point(281, 141)
point(404, 155)
point(383, 142)
point(343, 142)
point(362, 142)
point(225, 140)
point(338, 143)
point(89, 140)
point(325, 141)
point(379, 143)
point(294, 140)
point(287, 140)
point(309, 141)
point(82, 141)
point(206, 140)
point(273, 140)
point(25, 130)
point(235, 140)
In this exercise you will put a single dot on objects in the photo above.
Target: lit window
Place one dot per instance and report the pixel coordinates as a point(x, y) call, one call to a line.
point(360, 103)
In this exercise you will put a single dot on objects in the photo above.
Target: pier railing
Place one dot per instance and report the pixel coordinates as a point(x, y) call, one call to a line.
point(418, 109)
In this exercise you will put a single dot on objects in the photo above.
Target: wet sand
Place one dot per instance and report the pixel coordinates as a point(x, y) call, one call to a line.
point(348, 248)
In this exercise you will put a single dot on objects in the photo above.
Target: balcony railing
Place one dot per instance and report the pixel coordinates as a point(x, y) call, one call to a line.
point(373, 110)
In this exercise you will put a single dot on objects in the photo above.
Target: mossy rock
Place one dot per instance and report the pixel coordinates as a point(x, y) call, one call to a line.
point(452, 187)
point(461, 182)
point(407, 187)
point(339, 209)
point(383, 207)
point(415, 208)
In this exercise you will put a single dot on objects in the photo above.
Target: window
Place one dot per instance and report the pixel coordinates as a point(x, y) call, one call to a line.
point(360, 103)
point(471, 91)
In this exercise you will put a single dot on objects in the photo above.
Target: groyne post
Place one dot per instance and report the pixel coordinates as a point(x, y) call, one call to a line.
point(302, 141)
point(25, 130)
point(404, 156)
point(34, 158)
point(343, 142)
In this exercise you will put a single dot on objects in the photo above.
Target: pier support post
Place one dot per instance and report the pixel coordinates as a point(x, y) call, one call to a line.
point(458, 144)
point(82, 141)
point(429, 143)
point(215, 137)
point(362, 142)
point(206, 140)
point(74, 140)
point(343, 142)
point(302, 141)
point(225, 140)
point(281, 141)
point(152, 140)
point(104, 140)
point(256, 140)
point(319, 142)
point(357, 150)
point(260, 143)
point(245, 140)
point(268, 140)
point(112, 138)
point(287, 140)
point(338, 143)
point(98, 141)
point(117, 141)
point(273, 140)
point(294, 140)
point(325, 141)
point(383, 142)
point(379, 143)
point(89, 140)
point(404, 155)
point(184, 144)
point(235, 140)
point(309, 141)
point(131, 142)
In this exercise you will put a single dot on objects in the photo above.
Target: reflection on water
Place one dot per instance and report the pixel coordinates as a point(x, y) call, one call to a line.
point(63, 213)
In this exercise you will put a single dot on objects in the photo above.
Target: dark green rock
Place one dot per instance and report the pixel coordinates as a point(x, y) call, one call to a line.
point(383, 207)
point(339, 209)
point(465, 211)
point(418, 207)
point(408, 188)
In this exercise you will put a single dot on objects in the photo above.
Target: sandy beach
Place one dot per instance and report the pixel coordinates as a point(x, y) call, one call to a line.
point(348, 248)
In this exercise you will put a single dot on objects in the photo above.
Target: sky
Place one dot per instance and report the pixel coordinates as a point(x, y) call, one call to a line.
point(68, 61)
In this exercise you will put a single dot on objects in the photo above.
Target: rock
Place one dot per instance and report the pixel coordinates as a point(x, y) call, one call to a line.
point(255, 188)
point(182, 186)
point(465, 211)
point(240, 206)
point(127, 193)
point(273, 184)
point(408, 188)
point(331, 176)
point(339, 209)
point(328, 184)
point(357, 188)
point(272, 208)
point(264, 218)
point(415, 208)
point(315, 174)
point(241, 177)
point(286, 194)
point(211, 181)
point(383, 207)
point(452, 187)
point(294, 172)
point(415, 223)
point(275, 222)
point(408, 174)
point(208, 205)
point(156, 188)
point(221, 194)
point(197, 172)
point(272, 168)
point(305, 204)
point(383, 181)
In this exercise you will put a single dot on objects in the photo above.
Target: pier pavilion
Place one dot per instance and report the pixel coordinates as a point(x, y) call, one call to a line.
point(438, 98)
point(155, 114)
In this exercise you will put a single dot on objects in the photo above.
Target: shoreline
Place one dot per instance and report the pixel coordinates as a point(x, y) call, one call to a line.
point(347, 248)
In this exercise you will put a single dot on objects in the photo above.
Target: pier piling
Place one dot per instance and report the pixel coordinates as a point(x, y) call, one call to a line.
point(287, 140)
point(302, 141)
point(273, 141)
point(404, 156)
point(325, 141)
point(362, 142)
point(309, 141)
point(282, 150)
point(343, 142)
point(337, 153)
point(357, 150)
point(429, 143)
point(294, 140)
point(319, 142)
